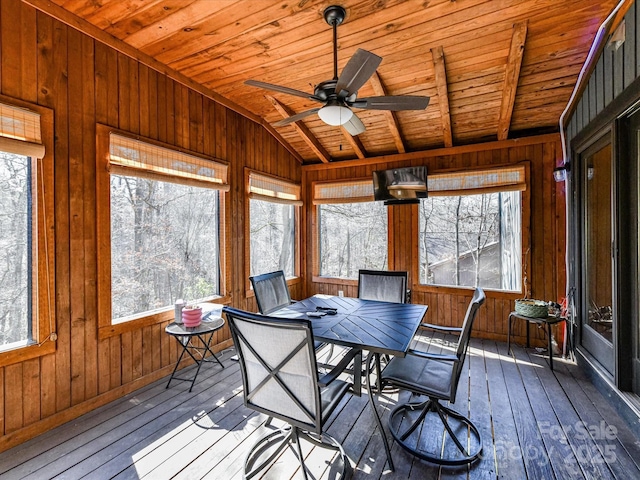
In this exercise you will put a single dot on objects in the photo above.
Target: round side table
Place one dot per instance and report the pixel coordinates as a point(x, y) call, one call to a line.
point(185, 336)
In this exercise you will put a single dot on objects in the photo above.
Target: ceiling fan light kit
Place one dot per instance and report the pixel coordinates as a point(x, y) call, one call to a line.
point(340, 94)
point(335, 115)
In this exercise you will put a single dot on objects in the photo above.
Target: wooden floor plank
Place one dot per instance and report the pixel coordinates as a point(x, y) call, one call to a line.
point(179, 437)
point(145, 432)
point(525, 422)
point(342, 426)
point(480, 411)
point(287, 465)
point(56, 436)
point(505, 438)
point(375, 463)
point(627, 440)
point(556, 445)
point(210, 455)
point(231, 466)
point(519, 405)
point(84, 446)
point(609, 458)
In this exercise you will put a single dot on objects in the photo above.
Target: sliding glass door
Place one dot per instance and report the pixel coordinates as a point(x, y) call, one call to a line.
point(597, 302)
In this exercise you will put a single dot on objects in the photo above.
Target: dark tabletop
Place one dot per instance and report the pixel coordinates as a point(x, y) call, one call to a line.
point(379, 327)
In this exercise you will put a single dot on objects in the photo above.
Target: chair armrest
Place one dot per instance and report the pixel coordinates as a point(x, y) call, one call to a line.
point(433, 356)
point(441, 328)
point(340, 367)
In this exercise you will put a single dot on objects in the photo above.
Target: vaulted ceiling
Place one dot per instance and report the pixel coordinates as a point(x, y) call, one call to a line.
point(494, 69)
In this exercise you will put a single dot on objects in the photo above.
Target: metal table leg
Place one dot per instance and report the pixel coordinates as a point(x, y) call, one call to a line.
point(375, 412)
point(509, 326)
point(184, 348)
point(549, 346)
point(185, 342)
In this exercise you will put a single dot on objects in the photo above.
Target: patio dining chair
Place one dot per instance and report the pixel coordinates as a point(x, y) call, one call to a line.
point(272, 292)
point(280, 379)
point(436, 376)
point(383, 286)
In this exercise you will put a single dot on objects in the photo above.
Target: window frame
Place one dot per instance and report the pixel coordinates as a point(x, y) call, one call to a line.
point(525, 205)
point(43, 319)
point(318, 188)
point(297, 242)
point(106, 327)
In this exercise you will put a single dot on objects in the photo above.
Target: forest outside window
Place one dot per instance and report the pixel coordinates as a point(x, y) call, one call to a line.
point(165, 228)
point(273, 211)
point(352, 229)
point(26, 244)
point(470, 229)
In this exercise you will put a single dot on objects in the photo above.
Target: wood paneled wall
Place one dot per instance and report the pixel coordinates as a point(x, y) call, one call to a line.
point(543, 225)
point(84, 82)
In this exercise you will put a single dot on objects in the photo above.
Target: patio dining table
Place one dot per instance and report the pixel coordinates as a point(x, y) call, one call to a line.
point(377, 327)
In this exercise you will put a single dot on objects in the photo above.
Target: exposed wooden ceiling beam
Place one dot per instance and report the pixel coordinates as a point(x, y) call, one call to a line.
point(443, 96)
point(512, 74)
point(355, 143)
point(392, 120)
point(302, 130)
point(436, 152)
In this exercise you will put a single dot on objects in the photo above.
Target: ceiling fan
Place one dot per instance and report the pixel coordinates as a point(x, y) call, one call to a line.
point(340, 94)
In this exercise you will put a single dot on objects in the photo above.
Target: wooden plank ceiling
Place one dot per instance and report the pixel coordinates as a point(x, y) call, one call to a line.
point(494, 69)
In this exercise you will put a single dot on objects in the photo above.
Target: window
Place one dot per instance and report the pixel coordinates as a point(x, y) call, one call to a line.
point(470, 231)
point(15, 249)
point(164, 244)
point(165, 228)
point(273, 205)
point(26, 242)
point(352, 229)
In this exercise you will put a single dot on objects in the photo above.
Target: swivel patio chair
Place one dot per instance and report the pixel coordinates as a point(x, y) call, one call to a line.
point(279, 377)
point(272, 292)
point(383, 286)
point(435, 376)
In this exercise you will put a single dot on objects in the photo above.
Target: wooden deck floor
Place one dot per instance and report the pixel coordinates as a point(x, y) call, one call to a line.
point(535, 423)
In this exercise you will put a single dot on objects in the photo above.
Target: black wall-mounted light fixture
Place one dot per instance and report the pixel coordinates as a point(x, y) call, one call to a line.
point(560, 173)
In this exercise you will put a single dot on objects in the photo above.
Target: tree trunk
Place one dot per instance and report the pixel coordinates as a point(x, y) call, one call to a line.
point(285, 248)
point(457, 245)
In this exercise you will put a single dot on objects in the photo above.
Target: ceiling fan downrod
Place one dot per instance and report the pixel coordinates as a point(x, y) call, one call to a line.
point(334, 15)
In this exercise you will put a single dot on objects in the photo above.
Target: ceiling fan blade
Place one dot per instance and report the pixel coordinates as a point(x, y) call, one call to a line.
point(356, 72)
point(354, 126)
point(392, 102)
point(278, 88)
point(295, 118)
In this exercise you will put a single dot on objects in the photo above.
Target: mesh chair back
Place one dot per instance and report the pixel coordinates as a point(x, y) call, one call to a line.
point(384, 286)
point(279, 370)
point(465, 335)
point(271, 291)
